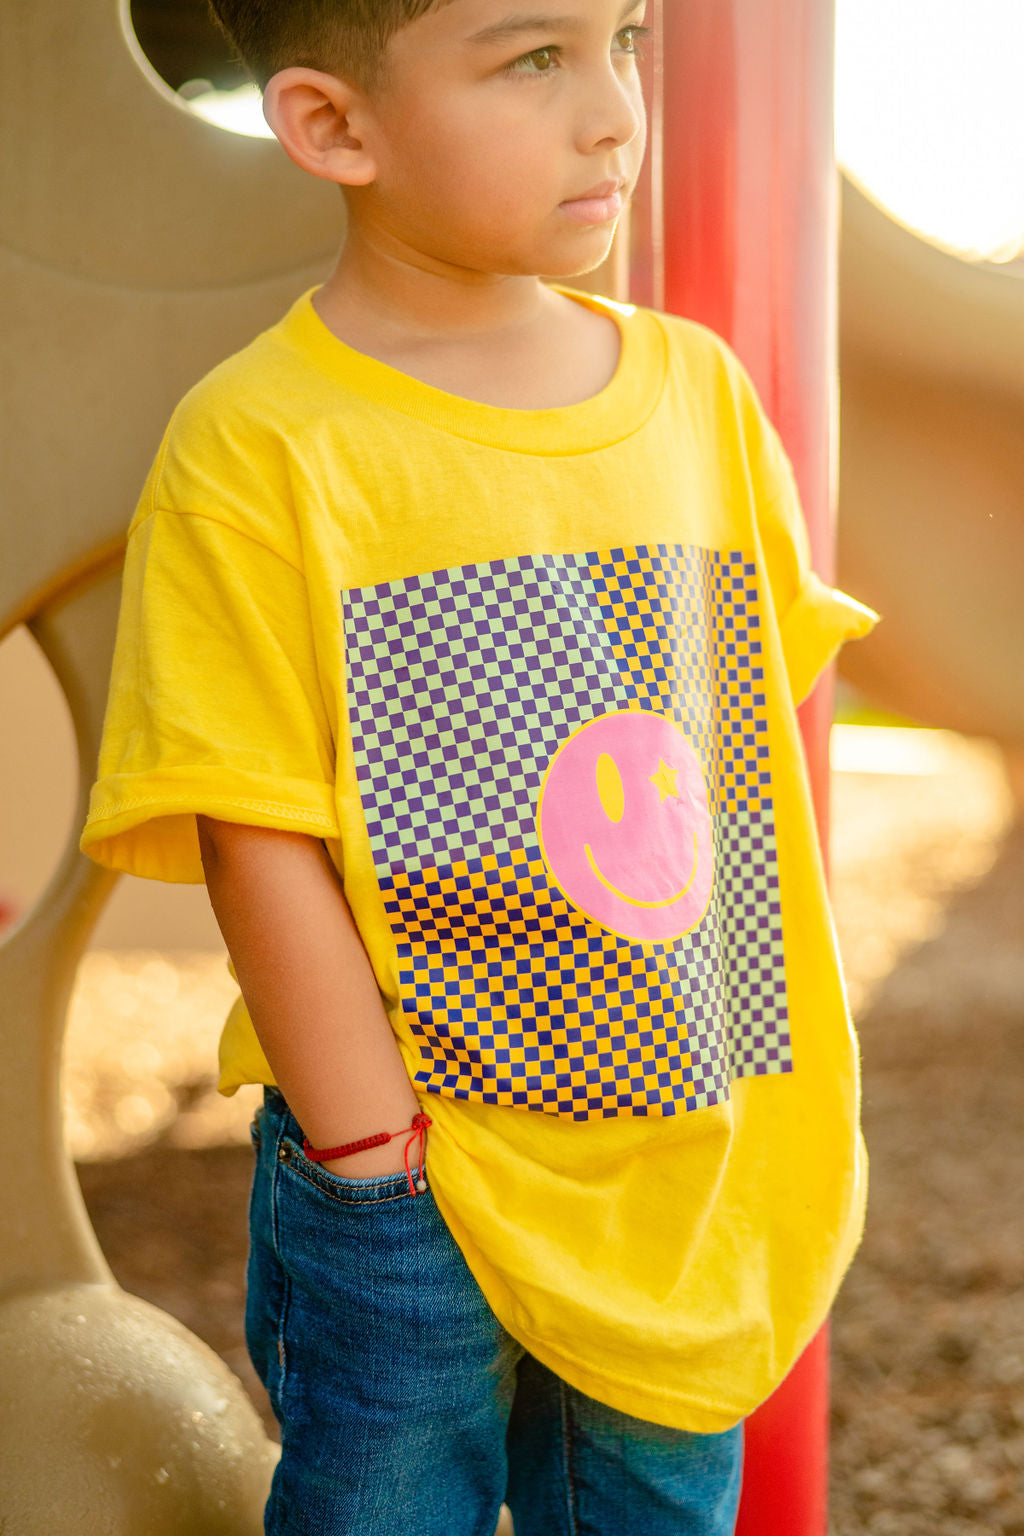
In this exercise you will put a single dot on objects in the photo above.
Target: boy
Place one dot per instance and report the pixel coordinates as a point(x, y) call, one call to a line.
point(462, 625)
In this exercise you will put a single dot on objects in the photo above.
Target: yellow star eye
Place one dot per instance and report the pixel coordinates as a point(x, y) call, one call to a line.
point(664, 781)
point(609, 787)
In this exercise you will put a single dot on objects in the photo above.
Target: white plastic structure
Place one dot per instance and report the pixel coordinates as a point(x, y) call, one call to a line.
point(138, 245)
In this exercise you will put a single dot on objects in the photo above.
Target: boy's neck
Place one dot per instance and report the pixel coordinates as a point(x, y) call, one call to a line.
point(404, 294)
point(503, 340)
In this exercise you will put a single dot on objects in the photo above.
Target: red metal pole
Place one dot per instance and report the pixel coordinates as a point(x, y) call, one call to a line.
point(742, 129)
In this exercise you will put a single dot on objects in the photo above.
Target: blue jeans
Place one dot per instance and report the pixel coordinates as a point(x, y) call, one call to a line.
point(405, 1407)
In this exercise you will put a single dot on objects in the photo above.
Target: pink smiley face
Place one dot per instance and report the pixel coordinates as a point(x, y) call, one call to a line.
point(625, 828)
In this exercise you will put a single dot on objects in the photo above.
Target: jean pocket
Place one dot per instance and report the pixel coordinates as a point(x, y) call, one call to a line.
point(377, 1189)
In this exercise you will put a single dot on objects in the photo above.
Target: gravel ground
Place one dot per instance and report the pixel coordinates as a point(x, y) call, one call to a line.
point(928, 1397)
point(928, 1331)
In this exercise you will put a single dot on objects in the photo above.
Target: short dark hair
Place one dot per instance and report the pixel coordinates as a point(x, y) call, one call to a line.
point(344, 37)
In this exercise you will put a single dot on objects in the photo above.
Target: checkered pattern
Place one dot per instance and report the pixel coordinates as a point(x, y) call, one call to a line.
point(519, 999)
point(686, 626)
point(462, 685)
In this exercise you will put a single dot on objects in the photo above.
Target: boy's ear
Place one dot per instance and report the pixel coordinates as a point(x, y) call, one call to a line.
point(320, 122)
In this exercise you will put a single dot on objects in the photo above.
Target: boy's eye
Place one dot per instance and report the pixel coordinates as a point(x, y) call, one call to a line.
point(631, 39)
point(544, 61)
point(540, 62)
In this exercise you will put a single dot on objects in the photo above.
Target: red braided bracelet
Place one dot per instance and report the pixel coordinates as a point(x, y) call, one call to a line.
point(418, 1131)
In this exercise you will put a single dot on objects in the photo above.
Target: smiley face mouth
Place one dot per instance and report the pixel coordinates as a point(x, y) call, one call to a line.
point(634, 901)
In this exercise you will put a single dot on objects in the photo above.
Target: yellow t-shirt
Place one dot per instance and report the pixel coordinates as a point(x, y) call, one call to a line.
point(531, 676)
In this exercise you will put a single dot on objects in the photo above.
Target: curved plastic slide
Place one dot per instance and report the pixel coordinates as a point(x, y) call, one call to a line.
point(931, 506)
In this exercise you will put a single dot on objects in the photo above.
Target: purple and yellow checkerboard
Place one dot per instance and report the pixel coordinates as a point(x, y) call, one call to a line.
point(575, 934)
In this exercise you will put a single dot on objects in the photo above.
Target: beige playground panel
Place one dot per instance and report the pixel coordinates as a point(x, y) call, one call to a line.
point(138, 245)
point(931, 499)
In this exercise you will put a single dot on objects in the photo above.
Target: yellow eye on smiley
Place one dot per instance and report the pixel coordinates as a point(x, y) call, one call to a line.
point(609, 787)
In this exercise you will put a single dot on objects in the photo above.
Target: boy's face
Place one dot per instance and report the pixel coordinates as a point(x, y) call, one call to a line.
point(509, 134)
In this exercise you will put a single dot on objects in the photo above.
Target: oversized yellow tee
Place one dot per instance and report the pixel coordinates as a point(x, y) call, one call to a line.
point(531, 676)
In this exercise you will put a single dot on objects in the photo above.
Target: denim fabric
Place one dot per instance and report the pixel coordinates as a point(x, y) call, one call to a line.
point(405, 1406)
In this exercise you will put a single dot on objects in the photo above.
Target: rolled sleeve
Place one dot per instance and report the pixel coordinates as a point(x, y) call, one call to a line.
point(215, 706)
point(816, 624)
point(814, 619)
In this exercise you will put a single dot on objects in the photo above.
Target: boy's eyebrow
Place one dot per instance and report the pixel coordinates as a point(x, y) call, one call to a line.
point(513, 26)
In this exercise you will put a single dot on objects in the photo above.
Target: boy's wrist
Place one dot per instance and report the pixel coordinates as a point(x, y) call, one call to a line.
point(370, 1164)
point(380, 1153)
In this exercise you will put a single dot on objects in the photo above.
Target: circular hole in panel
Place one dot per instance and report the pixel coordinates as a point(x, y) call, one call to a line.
point(38, 772)
point(140, 1058)
point(929, 119)
point(189, 60)
point(140, 1054)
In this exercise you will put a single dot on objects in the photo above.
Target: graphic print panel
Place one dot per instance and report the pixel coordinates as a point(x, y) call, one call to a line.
point(463, 684)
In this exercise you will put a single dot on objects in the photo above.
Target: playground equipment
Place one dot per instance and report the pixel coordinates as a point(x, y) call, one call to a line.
point(135, 251)
point(932, 500)
point(749, 248)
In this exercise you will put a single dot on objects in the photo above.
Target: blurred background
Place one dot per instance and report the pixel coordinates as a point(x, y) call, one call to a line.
point(927, 847)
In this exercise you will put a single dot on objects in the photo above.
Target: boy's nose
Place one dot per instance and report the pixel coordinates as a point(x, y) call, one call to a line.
point(613, 113)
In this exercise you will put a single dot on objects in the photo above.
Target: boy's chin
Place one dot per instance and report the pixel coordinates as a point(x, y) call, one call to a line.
point(579, 268)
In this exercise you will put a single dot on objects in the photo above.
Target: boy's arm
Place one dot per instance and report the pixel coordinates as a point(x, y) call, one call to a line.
point(309, 989)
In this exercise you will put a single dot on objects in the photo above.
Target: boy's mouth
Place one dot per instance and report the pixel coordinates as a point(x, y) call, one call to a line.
point(597, 205)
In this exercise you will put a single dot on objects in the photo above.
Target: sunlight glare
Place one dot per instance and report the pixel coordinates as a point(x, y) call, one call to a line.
point(239, 111)
point(930, 116)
